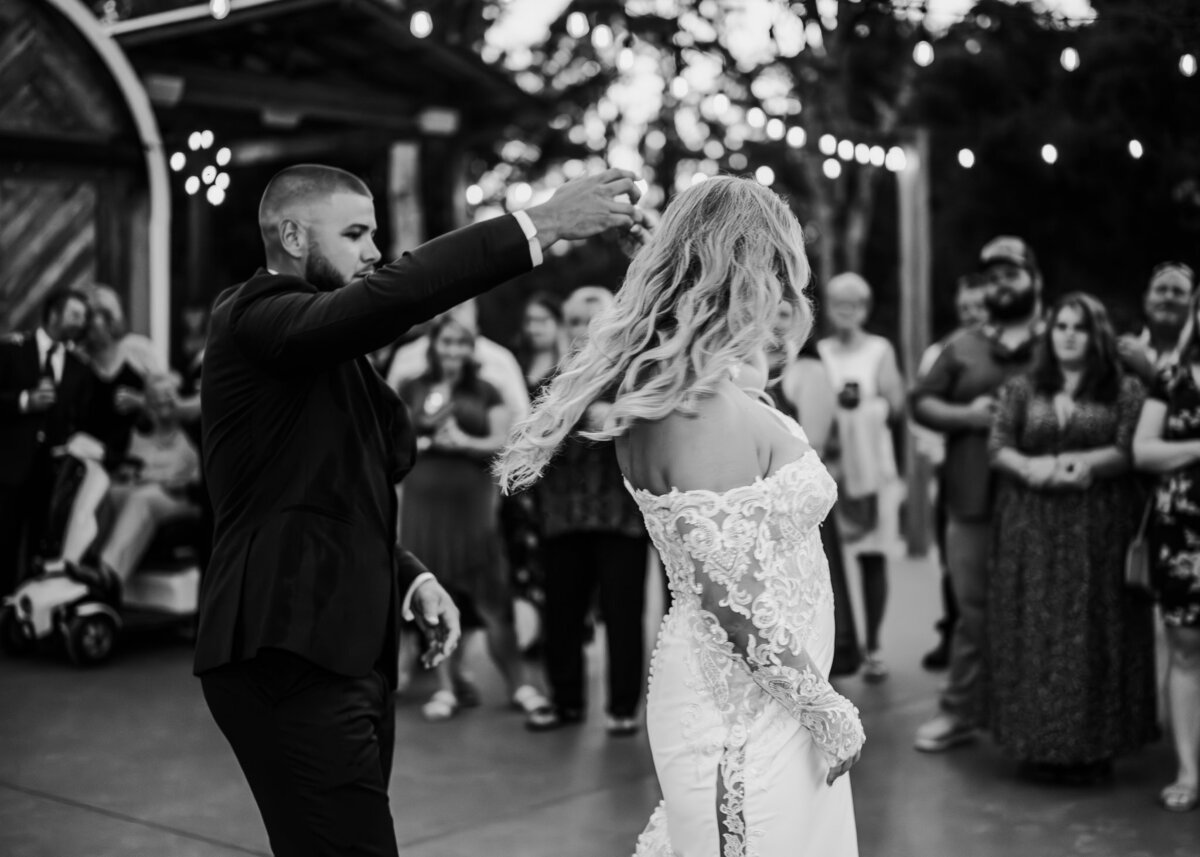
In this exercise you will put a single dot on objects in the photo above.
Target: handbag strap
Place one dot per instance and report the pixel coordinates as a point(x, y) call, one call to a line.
point(1141, 533)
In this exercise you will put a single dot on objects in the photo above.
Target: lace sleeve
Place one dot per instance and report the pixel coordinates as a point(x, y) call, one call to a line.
point(759, 590)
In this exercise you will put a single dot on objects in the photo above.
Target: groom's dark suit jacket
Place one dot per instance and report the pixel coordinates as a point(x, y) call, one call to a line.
point(303, 444)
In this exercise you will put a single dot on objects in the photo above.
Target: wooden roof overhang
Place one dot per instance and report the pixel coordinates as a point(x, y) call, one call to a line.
point(287, 66)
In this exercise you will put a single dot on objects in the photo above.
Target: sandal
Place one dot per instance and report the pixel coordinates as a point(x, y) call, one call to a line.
point(529, 699)
point(1179, 797)
point(441, 706)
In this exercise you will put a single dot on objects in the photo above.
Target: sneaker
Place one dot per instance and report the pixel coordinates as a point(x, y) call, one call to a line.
point(548, 718)
point(874, 670)
point(620, 727)
point(943, 732)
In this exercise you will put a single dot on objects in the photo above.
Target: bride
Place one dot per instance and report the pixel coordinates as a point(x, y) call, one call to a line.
point(750, 741)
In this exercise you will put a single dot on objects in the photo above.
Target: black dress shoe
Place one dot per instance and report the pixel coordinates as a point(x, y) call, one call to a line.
point(548, 718)
point(937, 658)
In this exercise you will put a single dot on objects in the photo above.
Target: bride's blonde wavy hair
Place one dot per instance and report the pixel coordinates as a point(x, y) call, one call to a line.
point(700, 298)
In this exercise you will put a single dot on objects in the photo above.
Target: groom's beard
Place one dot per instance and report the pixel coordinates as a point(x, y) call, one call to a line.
point(320, 272)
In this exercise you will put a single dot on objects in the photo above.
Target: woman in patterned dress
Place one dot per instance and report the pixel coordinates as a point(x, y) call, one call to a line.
point(1167, 444)
point(1071, 651)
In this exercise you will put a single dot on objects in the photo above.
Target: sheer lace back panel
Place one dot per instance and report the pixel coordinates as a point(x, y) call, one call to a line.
point(770, 523)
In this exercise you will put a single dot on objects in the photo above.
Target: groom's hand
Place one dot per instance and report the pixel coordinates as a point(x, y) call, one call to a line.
point(438, 618)
point(588, 206)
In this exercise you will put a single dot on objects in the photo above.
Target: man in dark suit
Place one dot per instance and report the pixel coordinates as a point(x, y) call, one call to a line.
point(47, 393)
point(303, 445)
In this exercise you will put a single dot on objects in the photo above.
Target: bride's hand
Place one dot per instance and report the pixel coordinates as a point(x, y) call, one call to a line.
point(842, 768)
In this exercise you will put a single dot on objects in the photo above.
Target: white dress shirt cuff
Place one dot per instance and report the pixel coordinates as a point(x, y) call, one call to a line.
point(406, 605)
point(535, 246)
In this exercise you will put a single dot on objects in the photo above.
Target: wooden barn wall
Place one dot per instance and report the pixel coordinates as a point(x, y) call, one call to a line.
point(68, 165)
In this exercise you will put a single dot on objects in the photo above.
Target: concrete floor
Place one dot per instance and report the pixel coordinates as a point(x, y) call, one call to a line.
point(125, 760)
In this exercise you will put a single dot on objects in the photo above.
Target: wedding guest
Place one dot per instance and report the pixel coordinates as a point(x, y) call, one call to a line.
point(1167, 444)
point(594, 543)
point(157, 487)
point(970, 304)
point(957, 397)
point(449, 514)
point(124, 364)
point(800, 387)
point(1071, 653)
point(47, 393)
point(540, 346)
point(497, 365)
point(870, 391)
point(1165, 308)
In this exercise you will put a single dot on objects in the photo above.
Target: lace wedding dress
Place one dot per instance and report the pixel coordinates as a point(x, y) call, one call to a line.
point(742, 721)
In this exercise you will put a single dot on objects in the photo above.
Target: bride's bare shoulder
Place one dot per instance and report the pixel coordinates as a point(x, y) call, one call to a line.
point(713, 449)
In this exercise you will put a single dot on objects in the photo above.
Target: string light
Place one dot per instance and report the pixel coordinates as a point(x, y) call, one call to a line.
point(862, 153)
point(1135, 149)
point(895, 160)
point(191, 185)
point(776, 130)
point(796, 137)
point(878, 156)
point(421, 24)
point(755, 117)
point(1069, 59)
point(577, 25)
point(178, 161)
point(832, 168)
point(220, 9)
point(827, 144)
point(845, 150)
point(923, 54)
point(679, 88)
point(765, 175)
point(224, 156)
point(602, 37)
point(1049, 153)
point(966, 158)
point(1187, 65)
point(474, 195)
point(215, 195)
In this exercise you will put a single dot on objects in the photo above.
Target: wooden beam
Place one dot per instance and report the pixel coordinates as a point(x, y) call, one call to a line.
point(915, 273)
point(187, 20)
point(89, 151)
point(208, 87)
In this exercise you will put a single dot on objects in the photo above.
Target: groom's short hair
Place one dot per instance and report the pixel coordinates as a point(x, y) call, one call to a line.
point(301, 184)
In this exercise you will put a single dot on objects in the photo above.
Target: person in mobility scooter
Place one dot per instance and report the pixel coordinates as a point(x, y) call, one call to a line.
point(86, 597)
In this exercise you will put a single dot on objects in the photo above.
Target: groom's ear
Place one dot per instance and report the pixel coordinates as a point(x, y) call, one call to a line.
point(293, 238)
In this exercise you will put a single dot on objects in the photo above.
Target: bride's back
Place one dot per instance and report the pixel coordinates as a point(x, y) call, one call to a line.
point(729, 442)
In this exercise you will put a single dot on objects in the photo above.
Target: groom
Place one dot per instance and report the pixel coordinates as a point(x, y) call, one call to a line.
point(303, 445)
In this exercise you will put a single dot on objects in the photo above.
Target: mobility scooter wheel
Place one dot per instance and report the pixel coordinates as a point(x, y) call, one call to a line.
point(12, 635)
point(91, 639)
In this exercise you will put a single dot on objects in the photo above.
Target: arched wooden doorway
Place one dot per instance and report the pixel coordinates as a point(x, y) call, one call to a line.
point(83, 184)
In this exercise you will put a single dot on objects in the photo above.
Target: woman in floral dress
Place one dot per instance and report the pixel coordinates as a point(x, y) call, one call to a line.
point(1071, 652)
point(1167, 443)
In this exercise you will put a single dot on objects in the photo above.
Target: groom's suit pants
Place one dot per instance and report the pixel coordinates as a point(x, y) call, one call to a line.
point(316, 748)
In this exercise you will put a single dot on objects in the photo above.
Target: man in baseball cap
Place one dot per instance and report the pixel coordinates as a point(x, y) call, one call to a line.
point(957, 397)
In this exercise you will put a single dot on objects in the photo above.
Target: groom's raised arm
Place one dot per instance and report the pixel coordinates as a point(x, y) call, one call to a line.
point(291, 325)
